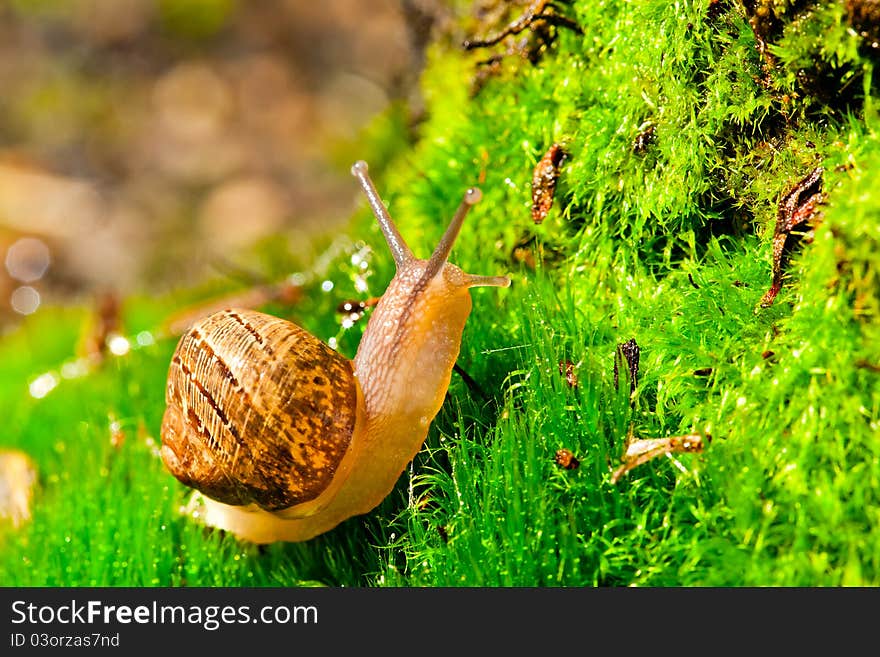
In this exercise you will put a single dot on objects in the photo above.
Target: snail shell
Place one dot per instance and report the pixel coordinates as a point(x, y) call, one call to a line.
point(276, 407)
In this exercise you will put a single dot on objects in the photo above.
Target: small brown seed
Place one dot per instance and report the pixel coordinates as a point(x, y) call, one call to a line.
point(565, 459)
point(566, 368)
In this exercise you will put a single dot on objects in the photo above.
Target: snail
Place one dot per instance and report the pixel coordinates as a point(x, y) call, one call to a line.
point(283, 437)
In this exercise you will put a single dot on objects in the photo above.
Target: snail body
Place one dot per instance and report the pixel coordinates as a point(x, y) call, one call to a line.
point(283, 436)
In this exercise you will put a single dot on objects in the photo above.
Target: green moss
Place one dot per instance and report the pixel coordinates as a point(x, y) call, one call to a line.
point(667, 242)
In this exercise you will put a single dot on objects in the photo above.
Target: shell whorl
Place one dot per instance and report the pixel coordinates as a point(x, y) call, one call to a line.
point(258, 410)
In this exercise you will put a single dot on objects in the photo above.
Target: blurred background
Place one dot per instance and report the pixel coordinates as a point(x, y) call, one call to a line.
point(142, 141)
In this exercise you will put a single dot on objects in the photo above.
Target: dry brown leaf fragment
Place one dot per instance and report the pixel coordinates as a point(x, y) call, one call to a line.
point(18, 475)
point(544, 181)
point(645, 449)
point(798, 207)
point(627, 353)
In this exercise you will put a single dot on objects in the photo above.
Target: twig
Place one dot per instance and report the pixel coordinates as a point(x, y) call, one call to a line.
point(534, 13)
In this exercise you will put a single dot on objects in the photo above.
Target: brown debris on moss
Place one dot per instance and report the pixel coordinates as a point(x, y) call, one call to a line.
point(797, 208)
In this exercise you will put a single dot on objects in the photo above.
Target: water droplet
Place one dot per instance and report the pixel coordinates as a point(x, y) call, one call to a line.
point(25, 300)
point(73, 369)
point(327, 286)
point(145, 339)
point(43, 385)
point(118, 345)
point(27, 259)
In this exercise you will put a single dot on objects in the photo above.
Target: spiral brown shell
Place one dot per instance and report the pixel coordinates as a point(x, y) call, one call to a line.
point(258, 410)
